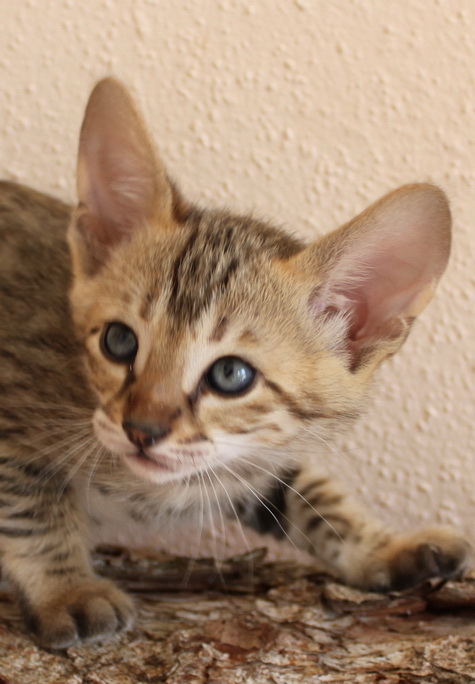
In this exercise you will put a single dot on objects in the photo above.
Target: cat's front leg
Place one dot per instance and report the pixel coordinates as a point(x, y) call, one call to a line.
point(313, 511)
point(43, 552)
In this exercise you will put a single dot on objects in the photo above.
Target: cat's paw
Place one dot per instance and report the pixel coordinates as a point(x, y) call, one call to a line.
point(91, 611)
point(407, 560)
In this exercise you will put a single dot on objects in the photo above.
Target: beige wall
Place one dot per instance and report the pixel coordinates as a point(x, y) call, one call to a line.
point(303, 110)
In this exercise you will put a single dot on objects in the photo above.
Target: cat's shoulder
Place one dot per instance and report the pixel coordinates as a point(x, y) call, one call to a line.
point(32, 232)
point(31, 221)
point(16, 198)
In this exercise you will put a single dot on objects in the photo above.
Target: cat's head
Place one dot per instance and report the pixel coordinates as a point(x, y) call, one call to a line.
point(211, 337)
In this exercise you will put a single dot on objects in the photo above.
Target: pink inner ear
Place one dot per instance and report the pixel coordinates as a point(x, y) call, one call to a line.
point(121, 184)
point(116, 185)
point(121, 187)
point(386, 293)
point(389, 261)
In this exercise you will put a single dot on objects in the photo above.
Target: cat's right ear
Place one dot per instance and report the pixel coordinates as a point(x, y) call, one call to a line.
point(376, 273)
point(122, 186)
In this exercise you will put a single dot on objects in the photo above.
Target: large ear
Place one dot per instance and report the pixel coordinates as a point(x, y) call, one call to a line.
point(121, 184)
point(380, 270)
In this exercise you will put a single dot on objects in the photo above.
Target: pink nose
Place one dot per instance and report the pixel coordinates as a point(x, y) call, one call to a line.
point(143, 436)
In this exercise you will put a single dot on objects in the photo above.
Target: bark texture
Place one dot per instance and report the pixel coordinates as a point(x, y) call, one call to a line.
point(247, 621)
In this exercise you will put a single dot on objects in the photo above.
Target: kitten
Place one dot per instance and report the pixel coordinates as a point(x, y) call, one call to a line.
point(197, 355)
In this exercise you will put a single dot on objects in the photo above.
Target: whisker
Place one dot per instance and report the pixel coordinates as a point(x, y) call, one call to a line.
point(51, 448)
point(180, 496)
point(213, 531)
point(98, 455)
point(233, 508)
point(327, 444)
point(261, 500)
point(192, 562)
point(218, 502)
point(48, 433)
point(53, 469)
point(8, 402)
point(253, 464)
point(295, 491)
point(88, 447)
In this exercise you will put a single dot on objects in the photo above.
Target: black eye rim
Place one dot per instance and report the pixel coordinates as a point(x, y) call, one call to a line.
point(208, 380)
point(108, 353)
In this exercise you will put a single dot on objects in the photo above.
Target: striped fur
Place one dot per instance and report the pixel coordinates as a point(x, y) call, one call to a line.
point(194, 285)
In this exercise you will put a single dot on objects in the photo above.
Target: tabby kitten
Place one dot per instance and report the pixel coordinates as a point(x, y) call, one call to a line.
point(197, 353)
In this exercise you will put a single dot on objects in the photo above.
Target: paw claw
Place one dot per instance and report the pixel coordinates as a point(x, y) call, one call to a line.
point(437, 552)
point(405, 561)
point(89, 612)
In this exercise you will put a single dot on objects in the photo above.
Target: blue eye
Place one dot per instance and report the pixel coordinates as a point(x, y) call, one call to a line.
point(230, 375)
point(119, 343)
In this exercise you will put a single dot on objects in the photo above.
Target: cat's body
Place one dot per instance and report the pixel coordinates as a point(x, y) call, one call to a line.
point(219, 352)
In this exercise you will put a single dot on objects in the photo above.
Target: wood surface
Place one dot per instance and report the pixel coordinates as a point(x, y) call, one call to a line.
point(249, 621)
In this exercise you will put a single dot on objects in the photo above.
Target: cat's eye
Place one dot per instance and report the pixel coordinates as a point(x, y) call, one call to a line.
point(230, 375)
point(119, 343)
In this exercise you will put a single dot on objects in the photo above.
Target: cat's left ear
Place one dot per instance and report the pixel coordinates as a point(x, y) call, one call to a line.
point(122, 185)
point(380, 270)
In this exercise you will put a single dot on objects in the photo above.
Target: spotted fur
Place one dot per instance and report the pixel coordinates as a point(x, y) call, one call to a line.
point(85, 439)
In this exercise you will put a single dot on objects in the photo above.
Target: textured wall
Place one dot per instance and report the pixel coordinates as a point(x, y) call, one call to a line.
point(303, 110)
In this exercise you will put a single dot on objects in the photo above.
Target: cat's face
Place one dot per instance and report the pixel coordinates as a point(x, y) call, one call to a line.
point(202, 350)
point(213, 339)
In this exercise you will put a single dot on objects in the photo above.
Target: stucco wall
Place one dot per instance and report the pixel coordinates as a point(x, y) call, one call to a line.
point(302, 110)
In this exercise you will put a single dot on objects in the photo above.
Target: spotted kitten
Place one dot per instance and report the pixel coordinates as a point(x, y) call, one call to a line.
point(215, 346)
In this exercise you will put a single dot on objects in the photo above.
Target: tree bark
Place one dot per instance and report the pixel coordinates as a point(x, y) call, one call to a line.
point(248, 621)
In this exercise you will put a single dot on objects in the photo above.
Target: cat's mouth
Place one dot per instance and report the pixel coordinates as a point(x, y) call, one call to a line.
point(157, 461)
point(161, 467)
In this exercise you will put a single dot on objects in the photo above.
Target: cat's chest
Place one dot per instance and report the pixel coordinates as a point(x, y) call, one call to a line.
point(128, 518)
point(121, 510)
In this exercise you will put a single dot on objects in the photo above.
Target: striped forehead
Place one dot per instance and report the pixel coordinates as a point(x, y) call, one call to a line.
point(204, 268)
point(218, 249)
point(215, 260)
